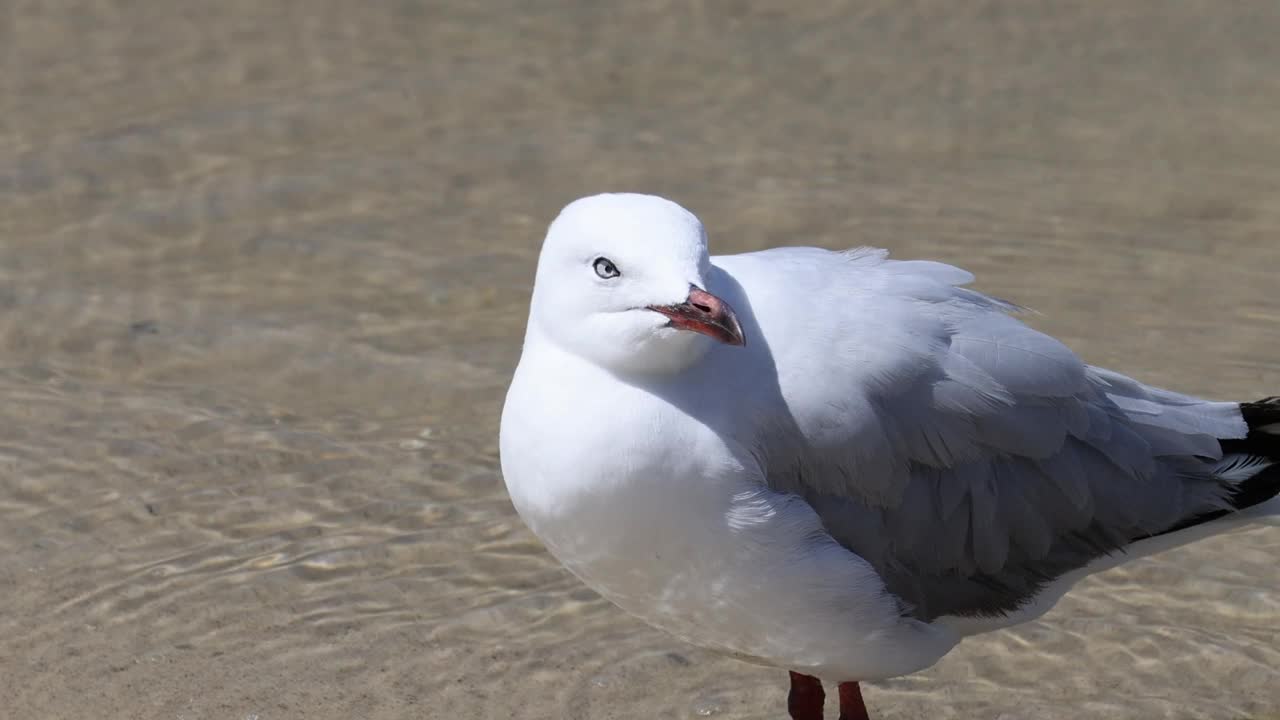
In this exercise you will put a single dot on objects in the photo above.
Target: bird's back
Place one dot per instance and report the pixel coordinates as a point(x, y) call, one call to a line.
point(970, 458)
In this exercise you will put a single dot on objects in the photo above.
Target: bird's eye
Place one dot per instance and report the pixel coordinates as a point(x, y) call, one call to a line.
point(605, 268)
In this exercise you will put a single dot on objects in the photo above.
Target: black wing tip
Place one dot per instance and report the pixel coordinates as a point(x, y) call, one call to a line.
point(1262, 485)
point(1261, 441)
point(1257, 415)
point(1261, 412)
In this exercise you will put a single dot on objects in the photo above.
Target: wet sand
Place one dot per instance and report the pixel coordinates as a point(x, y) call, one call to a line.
point(264, 269)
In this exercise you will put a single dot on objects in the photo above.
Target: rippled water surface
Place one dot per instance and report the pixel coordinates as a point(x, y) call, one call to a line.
point(263, 275)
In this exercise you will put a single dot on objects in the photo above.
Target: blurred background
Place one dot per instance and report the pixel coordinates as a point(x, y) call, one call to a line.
point(264, 270)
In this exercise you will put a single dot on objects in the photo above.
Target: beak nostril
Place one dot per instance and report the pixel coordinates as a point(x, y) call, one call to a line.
point(703, 313)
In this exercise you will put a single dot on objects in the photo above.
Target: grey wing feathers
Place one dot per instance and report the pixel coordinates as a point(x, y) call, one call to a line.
point(1020, 461)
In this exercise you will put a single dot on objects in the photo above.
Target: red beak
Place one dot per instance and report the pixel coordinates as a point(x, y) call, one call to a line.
point(704, 313)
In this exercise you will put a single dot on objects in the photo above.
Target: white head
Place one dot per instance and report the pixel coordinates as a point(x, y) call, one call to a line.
point(621, 282)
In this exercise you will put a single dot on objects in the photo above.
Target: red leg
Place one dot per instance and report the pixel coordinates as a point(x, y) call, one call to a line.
point(804, 702)
point(851, 705)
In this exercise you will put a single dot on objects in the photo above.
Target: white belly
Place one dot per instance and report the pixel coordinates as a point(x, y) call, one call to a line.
point(734, 567)
point(670, 521)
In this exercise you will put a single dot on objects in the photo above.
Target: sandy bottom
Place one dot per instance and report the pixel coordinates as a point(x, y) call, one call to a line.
point(263, 275)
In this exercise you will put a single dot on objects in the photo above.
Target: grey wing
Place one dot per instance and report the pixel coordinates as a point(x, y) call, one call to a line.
point(1012, 461)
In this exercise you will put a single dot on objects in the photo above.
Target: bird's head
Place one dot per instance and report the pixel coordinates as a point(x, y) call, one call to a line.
point(622, 282)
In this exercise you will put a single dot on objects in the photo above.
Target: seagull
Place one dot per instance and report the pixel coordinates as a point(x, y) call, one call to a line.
point(836, 463)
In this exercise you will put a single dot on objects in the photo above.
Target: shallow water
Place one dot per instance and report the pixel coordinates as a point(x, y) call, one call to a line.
point(263, 274)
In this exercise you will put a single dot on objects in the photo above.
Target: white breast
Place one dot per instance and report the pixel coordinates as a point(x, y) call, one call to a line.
point(665, 519)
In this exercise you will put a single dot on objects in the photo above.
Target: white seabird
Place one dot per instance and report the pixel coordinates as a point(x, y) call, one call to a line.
point(833, 462)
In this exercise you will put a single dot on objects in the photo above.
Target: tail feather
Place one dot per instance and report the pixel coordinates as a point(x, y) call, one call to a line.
point(1259, 487)
point(1235, 469)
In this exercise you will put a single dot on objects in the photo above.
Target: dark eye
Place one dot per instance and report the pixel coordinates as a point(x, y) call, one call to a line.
point(605, 268)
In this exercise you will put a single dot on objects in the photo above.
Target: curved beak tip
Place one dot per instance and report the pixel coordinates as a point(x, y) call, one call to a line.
point(707, 314)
